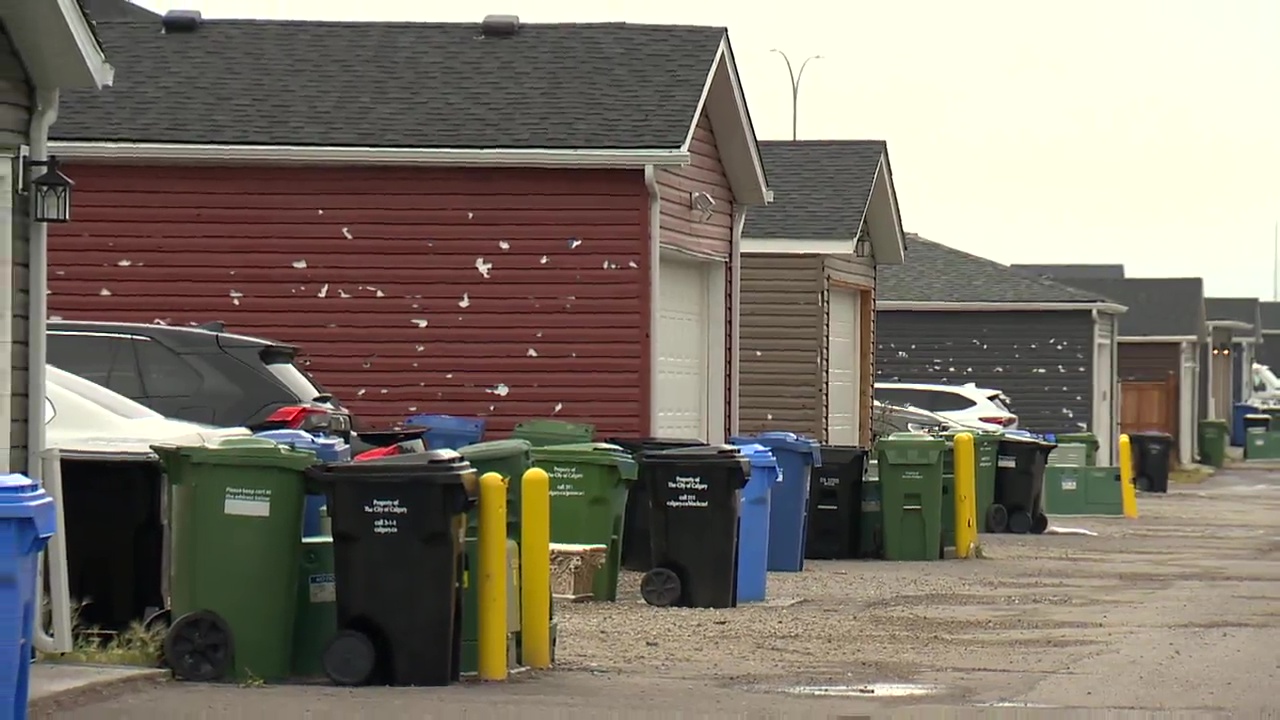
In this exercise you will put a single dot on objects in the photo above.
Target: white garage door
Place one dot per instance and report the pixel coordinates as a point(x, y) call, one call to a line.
point(842, 368)
point(682, 349)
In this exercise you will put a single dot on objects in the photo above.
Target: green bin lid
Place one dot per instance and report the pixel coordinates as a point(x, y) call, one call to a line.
point(251, 451)
point(911, 437)
point(592, 453)
point(496, 449)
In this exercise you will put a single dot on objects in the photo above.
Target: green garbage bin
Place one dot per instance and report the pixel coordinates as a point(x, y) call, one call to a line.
point(1088, 439)
point(985, 449)
point(911, 495)
point(235, 518)
point(510, 458)
point(554, 432)
point(317, 619)
point(1082, 490)
point(589, 484)
point(1213, 442)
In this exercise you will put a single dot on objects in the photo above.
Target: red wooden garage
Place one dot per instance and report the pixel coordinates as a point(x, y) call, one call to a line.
point(469, 220)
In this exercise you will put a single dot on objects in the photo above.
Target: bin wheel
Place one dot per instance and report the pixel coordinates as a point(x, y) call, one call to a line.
point(1142, 483)
point(1020, 522)
point(158, 620)
point(1039, 523)
point(200, 647)
point(350, 659)
point(660, 587)
point(997, 518)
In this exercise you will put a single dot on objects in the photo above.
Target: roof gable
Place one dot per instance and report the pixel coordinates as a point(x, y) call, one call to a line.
point(1158, 307)
point(398, 85)
point(1269, 313)
point(935, 273)
point(1241, 310)
point(820, 188)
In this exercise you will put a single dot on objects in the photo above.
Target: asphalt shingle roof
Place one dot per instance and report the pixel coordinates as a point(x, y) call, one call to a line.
point(1158, 307)
point(1269, 312)
point(1072, 272)
point(820, 188)
point(1245, 310)
point(426, 85)
point(937, 273)
point(103, 10)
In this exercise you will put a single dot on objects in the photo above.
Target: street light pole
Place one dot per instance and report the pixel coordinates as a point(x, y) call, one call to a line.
point(796, 77)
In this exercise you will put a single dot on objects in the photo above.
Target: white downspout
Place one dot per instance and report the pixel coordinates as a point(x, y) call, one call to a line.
point(8, 190)
point(735, 319)
point(655, 285)
point(56, 639)
point(46, 112)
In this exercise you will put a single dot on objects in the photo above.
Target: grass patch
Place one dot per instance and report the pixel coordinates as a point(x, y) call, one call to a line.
point(137, 645)
point(1191, 474)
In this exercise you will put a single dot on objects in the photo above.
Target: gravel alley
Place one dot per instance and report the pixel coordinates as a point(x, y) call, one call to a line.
point(1178, 610)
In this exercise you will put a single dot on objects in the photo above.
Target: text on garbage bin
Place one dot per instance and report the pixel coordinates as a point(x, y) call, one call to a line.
point(689, 489)
point(563, 481)
point(247, 502)
point(385, 510)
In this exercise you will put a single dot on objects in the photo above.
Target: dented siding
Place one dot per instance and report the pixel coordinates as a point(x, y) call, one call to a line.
point(681, 225)
point(506, 294)
point(781, 344)
point(1042, 360)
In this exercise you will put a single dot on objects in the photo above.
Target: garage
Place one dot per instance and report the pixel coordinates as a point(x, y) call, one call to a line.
point(683, 361)
point(842, 367)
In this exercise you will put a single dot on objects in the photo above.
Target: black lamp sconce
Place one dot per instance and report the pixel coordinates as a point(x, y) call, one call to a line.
point(50, 192)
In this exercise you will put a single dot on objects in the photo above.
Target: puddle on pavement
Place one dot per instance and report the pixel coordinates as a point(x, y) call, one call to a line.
point(884, 690)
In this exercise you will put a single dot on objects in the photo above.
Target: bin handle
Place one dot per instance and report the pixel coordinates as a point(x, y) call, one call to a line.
point(913, 507)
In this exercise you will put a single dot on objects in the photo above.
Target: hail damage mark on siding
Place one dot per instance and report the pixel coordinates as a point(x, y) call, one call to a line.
point(501, 390)
point(574, 243)
point(483, 267)
point(299, 264)
point(531, 353)
point(324, 291)
point(104, 292)
point(420, 322)
point(542, 260)
point(504, 245)
point(124, 263)
point(465, 302)
point(346, 233)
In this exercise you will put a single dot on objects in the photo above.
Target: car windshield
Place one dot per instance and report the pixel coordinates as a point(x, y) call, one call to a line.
point(1000, 401)
point(1268, 378)
point(294, 379)
point(113, 403)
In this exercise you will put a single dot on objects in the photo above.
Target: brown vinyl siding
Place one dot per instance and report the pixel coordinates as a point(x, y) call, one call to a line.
point(15, 120)
point(782, 341)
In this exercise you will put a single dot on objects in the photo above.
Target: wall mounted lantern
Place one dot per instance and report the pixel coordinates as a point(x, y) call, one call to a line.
point(1223, 349)
point(50, 193)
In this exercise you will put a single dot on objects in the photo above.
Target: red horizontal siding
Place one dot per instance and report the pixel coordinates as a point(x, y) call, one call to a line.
point(373, 272)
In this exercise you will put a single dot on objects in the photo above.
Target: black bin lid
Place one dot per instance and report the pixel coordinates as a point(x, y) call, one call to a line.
point(642, 444)
point(697, 453)
point(441, 465)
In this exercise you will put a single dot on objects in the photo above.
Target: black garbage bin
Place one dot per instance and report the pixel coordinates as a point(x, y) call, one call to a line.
point(833, 526)
point(398, 524)
point(636, 553)
point(1019, 501)
point(1151, 453)
point(694, 499)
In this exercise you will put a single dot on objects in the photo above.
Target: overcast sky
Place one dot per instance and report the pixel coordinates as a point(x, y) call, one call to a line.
point(1143, 132)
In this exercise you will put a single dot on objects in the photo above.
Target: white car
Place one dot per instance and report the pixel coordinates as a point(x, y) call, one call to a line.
point(965, 404)
point(85, 420)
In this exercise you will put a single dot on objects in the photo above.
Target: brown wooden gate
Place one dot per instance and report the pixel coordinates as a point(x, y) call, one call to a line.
point(1147, 406)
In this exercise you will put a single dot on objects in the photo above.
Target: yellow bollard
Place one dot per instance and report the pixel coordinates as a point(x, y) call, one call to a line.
point(535, 568)
point(491, 591)
point(966, 490)
point(1128, 493)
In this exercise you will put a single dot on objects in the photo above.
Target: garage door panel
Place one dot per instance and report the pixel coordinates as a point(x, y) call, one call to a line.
point(682, 349)
point(842, 368)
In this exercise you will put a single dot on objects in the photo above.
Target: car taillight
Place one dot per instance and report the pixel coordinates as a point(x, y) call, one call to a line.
point(300, 417)
point(1001, 420)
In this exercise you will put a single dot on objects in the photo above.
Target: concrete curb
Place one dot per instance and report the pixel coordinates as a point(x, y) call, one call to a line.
point(94, 690)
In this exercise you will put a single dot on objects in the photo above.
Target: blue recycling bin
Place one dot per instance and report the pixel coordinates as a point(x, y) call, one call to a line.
point(1238, 411)
point(796, 455)
point(327, 450)
point(448, 431)
point(753, 523)
point(28, 519)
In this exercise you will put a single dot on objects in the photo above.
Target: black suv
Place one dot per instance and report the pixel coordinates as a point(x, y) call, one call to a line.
point(202, 374)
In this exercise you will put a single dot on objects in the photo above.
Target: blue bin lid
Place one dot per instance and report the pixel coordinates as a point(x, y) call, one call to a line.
point(303, 440)
point(22, 497)
point(759, 455)
point(779, 440)
point(446, 422)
